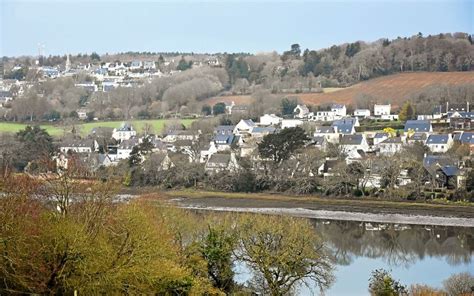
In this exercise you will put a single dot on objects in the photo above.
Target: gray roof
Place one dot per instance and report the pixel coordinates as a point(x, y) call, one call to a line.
point(325, 129)
point(345, 128)
point(418, 137)
point(437, 139)
point(465, 137)
point(348, 120)
point(463, 114)
point(450, 170)
point(394, 140)
point(263, 130)
point(224, 139)
point(439, 160)
point(418, 125)
point(126, 127)
point(318, 141)
point(351, 139)
point(78, 143)
point(128, 144)
point(219, 159)
point(380, 135)
point(337, 106)
point(224, 129)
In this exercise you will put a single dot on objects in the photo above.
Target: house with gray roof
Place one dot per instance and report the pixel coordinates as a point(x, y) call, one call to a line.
point(124, 132)
point(439, 143)
point(391, 146)
point(418, 126)
point(219, 162)
point(354, 142)
point(79, 146)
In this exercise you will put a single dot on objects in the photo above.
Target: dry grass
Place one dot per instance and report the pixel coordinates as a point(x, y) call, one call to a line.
point(394, 89)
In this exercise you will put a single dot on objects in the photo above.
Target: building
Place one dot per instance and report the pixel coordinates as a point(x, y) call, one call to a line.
point(439, 143)
point(328, 132)
point(380, 137)
point(354, 142)
point(79, 146)
point(362, 113)
point(391, 146)
point(380, 110)
point(224, 130)
point(124, 132)
point(287, 123)
point(339, 110)
point(219, 162)
point(178, 135)
point(125, 148)
point(270, 119)
point(301, 111)
point(418, 126)
point(244, 127)
point(325, 116)
point(460, 120)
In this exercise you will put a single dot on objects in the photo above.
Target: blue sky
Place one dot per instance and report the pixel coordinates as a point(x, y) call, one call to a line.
point(107, 26)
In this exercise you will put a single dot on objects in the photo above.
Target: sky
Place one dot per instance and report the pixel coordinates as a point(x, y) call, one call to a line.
point(106, 26)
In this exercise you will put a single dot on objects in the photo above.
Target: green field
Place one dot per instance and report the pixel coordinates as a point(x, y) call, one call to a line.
point(85, 128)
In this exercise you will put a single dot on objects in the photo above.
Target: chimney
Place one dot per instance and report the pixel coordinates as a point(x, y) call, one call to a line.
point(467, 107)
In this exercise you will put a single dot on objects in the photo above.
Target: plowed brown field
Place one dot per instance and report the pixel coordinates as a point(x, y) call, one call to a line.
point(393, 88)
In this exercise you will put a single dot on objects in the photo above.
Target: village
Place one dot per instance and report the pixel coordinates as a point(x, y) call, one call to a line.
point(444, 138)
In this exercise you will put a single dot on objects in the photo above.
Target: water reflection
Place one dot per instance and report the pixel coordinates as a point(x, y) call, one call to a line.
point(396, 245)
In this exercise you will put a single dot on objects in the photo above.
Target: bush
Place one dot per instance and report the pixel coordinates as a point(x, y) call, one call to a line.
point(459, 284)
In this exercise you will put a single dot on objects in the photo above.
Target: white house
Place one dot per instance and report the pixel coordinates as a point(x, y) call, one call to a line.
point(363, 113)
point(439, 143)
point(301, 111)
point(325, 116)
point(177, 135)
point(379, 138)
point(125, 132)
point(380, 110)
point(354, 142)
point(79, 146)
point(244, 127)
point(391, 146)
point(330, 133)
point(286, 123)
point(219, 162)
point(125, 148)
point(339, 110)
point(270, 119)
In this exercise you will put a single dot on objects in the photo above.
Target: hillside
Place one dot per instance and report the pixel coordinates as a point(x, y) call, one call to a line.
point(393, 88)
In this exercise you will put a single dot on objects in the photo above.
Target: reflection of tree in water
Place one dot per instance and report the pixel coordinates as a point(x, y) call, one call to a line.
point(397, 245)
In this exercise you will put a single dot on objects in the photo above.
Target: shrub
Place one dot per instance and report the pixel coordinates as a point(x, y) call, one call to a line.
point(459, 284)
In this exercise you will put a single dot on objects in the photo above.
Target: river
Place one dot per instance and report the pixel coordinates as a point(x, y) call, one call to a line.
point(413, 253)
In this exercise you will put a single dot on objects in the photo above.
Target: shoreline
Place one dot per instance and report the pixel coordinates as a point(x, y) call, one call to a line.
point(347, 216)
point(363, 210)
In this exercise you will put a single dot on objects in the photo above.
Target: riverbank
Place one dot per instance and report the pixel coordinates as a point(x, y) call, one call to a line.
point(369, 210)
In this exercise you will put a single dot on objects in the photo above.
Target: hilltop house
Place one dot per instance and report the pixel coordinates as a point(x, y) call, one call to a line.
point(301, 111)
point(125, 132)
point(381, 110)
point(339, 109)
point(439, 143)
point(362, 113)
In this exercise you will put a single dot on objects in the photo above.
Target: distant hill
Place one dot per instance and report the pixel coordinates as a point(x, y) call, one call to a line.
point(392, 88)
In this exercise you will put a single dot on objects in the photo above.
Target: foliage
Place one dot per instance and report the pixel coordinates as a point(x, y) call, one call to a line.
point(287, 106)
point(219, 108)
point(459, 284)
point(381, 283)
point(282, 145)
point(206, 110)
point(283, 252)
point(407, 112)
